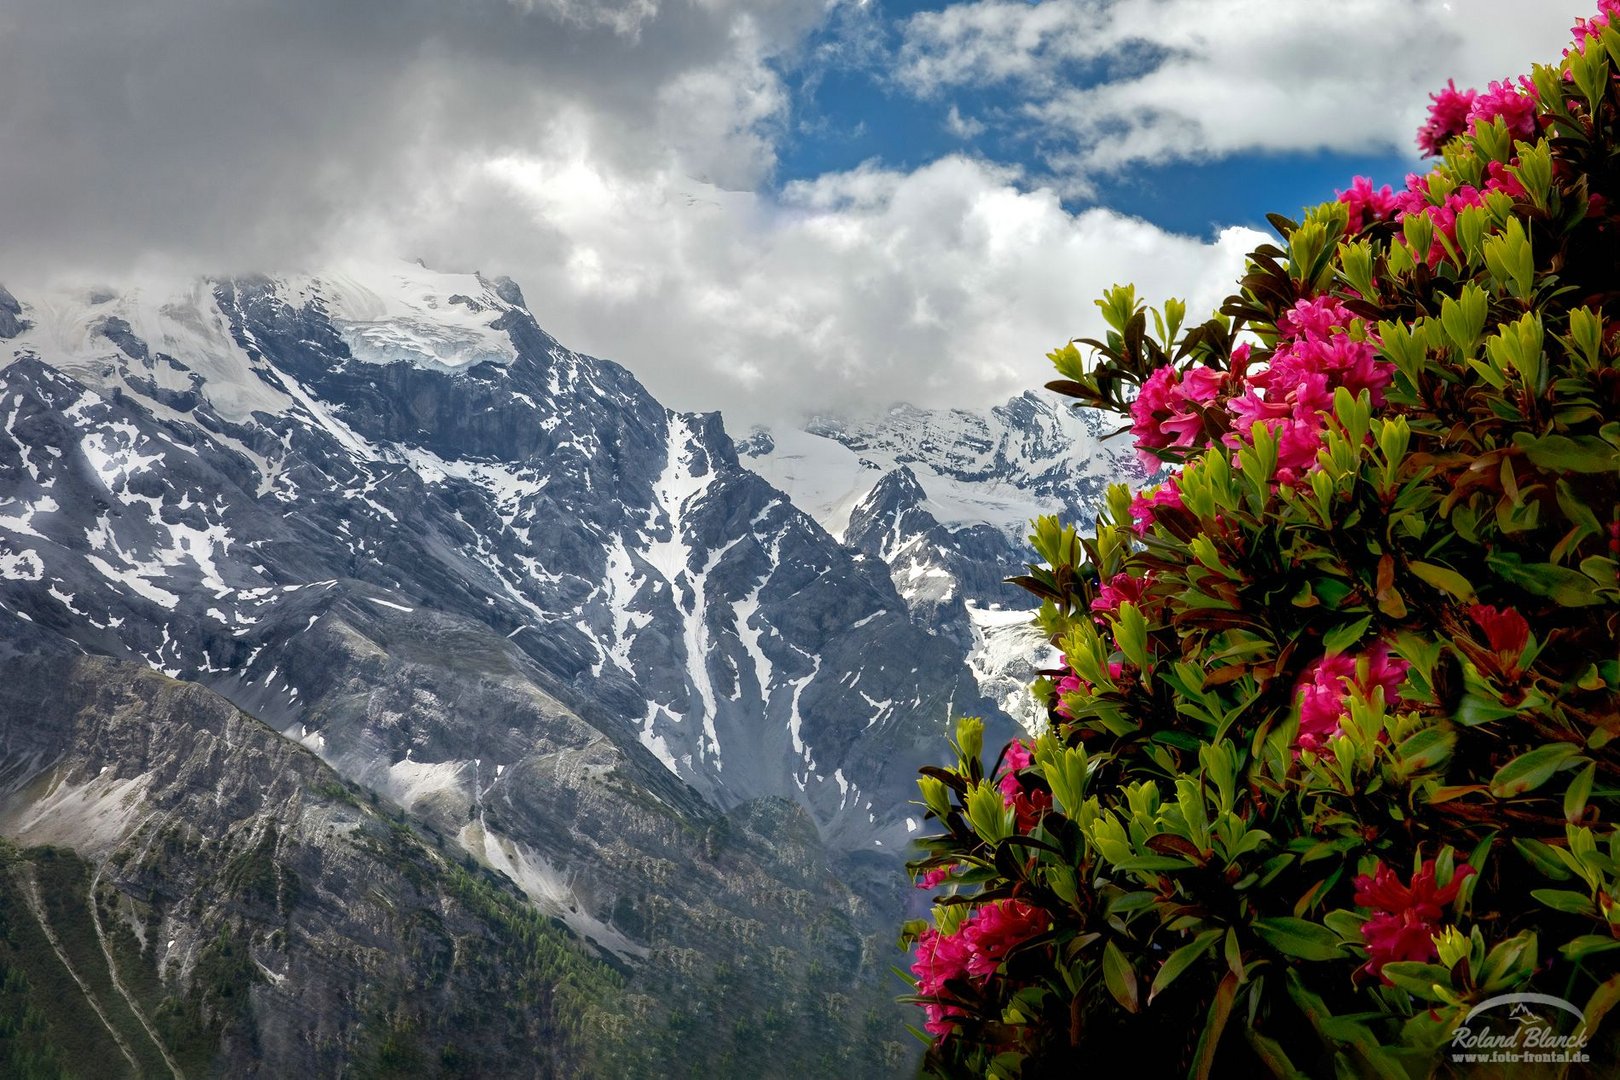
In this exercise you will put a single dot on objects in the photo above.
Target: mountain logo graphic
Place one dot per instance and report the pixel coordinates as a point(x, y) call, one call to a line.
point(1536, 1037)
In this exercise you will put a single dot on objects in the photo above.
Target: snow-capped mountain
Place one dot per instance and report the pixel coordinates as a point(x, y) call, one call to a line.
point(199, 479)
point(945, 498)
point(496, 582)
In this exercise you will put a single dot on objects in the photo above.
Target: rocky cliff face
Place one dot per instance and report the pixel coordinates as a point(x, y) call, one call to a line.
point(215, 901)
point(944, 498)
point(409, 537)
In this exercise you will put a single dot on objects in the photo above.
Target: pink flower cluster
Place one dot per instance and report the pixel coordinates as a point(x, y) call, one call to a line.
point(1290, 397)
point(1514, 104)
point(1448, 118)
point(1121, 588)
point(1028, 802)
point(1405, 917)
point(1074, 684)
point(1457, 111)
point(1592, 29)
point(1169, 411)
point(974, 951)
point(937, 876)
point(1417, 199)
point(1145, 503)
point(1326, 686)
point(1367, 204)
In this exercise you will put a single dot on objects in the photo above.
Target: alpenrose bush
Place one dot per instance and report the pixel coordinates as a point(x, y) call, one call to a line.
point(1331, 756)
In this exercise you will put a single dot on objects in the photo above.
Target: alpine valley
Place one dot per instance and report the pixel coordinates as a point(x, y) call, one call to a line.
point(388, 690)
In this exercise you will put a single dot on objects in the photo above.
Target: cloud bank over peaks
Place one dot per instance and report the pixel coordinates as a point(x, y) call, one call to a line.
point(945, 285)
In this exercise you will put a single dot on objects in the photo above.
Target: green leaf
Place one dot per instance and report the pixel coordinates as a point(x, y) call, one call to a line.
point(1544, 579)
point(1509, 963)
point(1425, 748)
point(1299, 938)
point(1573, 903)
point(1338, 640)
point(1121, 978)
point(1579, 790)
point(1443, 579)
point(1542, 858)
point(1529, 771)
point(1417, 978)
point(1586, 945)
point(1584, 454)
point(1180, 960)
point(1602, 1000)
point(1209, 1039)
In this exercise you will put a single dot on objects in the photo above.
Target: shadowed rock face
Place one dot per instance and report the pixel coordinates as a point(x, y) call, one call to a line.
point(252, 915)
point(495, 584)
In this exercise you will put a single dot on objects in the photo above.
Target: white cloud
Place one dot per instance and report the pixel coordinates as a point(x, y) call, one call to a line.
point(942, 286)
point(615, 159)
point(1216, 77)
point(963, 127)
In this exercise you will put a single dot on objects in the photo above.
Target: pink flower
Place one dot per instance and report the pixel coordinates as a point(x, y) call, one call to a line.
point(1405, 918)
point(940, 959)
point(1144, 506)
point(1366, 204)
point(939, 1023)
point(1028, 803)
point(1444, 216)
point(1506, 631)
point(1592, 29)
point(1448, 118)
point(1298, 441)
point(1017, 756)
point(1322, 700)
point(1515, 105)
point(1327, 684)
point(1314, 355)
point(974, 951)
point(1074, 684)
point(1502, 180)
point(1120, 589)
point(1313, 318)
point(937, 876)
point(996, 929)
point(1069, 684)
point(1169, 409)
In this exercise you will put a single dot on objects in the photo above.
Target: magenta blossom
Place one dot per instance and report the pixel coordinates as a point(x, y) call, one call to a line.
point(1328, 683)
point(1028, 803)
point(995, 929)
point(1315, 354)
point(1366, 204)
point(1592, 29)
point(1074, 684)
point(1503, 180)
point(1169, 409)
point(937, 876)
point(974, 951)
point(1146, 504)
point(1514, 104)
point(1121, 588)
point(1448, 118)
point(1405, 917)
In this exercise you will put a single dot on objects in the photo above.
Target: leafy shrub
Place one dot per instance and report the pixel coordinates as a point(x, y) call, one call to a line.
point(1331, 755)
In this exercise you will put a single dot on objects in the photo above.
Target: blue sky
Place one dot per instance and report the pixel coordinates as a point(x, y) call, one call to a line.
point(848, 108)
point(771, 207)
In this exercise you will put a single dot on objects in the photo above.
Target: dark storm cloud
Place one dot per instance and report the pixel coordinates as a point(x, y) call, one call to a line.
point(245, 132)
